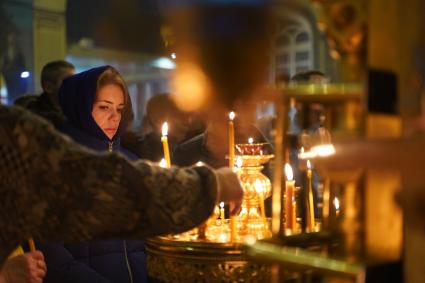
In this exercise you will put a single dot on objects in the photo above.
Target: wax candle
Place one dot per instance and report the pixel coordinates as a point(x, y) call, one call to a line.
point(310, 204)
point(222, 211)
point(31, 244)
point(164, 140)
point(289, 189)
point(231, 133)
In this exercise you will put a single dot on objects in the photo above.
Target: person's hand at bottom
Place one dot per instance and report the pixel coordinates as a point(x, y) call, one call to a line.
point(27, 268)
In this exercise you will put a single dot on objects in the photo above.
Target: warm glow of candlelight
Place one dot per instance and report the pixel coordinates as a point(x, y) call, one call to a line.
point(289, 196)
point(288, 172)
point(222, 211)
point(163, 163)
point(336, 203)
point(307, 154)
point(223, 237)
point(324, 150)
point(165, 129)
point(231, 136)
point(258, 186)
point(310, 200)
point(250, 140)
point(199, 163)
point(165, 146)
point(239, 162)
point(260, 191)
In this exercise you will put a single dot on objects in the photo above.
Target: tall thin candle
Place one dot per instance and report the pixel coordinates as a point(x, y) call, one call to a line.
point(231, 139)
point(310, 206)
point(164, 140)
point(231, 165)
point(289, 189)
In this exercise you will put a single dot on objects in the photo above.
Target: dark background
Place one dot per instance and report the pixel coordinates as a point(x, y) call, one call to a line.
point(132, 25)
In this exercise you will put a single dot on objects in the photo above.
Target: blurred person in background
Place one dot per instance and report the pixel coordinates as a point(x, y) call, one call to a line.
point(181, 126)
point(25, 100)
point(47, 104)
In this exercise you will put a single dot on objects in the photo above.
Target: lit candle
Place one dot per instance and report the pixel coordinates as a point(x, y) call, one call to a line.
point(310, 204)
point(239, 163)
point(223, 237)
point(231, 165)
point(222, 211)
point(294, 212)
point(231, 139)
point(336, 203)
point(199, 163)
point(164, 141)
point(289, 187)
point(163, 163)
point(251, 149)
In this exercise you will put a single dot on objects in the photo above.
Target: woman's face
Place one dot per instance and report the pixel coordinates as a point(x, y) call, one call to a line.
point(107, 109)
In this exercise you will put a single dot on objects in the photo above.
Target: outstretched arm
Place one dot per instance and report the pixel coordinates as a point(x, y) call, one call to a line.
point(54, 189)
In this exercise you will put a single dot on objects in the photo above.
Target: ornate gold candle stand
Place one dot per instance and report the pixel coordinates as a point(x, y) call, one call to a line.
point(207, 254)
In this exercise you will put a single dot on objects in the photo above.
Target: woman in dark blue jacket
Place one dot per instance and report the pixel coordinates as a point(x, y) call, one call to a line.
point(97, 107)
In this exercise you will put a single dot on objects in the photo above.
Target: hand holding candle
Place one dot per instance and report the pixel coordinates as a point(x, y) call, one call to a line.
point(31, 244)
point(165, 146)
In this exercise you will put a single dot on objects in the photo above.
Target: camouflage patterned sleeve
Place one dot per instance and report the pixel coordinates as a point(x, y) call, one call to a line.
point(54, 189)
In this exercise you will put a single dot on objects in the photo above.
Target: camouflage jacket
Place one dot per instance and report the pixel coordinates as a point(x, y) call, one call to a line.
point(53, 189)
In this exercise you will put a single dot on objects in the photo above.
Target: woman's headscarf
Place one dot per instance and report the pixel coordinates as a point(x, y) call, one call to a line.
point(76, 97)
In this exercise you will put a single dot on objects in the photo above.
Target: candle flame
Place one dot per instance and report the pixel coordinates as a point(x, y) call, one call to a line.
point(199, 163)
point(324, 150)
point(232, 115)
point(302, 150)
point(336, 203)
point(250, 140)
point(258, 186)
point(307, 155)
point(250, 239)
point(239, 162)
point(308, 164)
point(163, 163)
point(221, 204)
point(288, 172)
point(165, 129)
